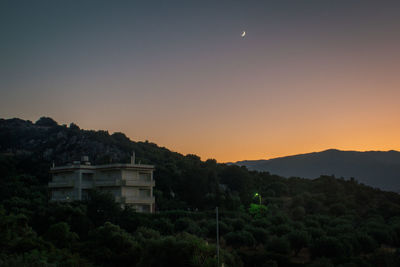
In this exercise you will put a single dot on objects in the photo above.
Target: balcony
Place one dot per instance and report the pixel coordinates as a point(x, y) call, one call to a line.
point(119, 182)
point(61, 199)
point(120, 199)
point(139, 200)
point(61, 184)
point(135, 200)
point(139, 183)
point(106, 183)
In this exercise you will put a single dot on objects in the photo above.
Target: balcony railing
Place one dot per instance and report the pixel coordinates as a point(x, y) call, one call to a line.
point(101, 183)
point(139, 183)
point(61, 184)
point(61, 199)
point(135, 200)
point(119, 182)
point(120, 199)
point(139, 200)
point(116, 182)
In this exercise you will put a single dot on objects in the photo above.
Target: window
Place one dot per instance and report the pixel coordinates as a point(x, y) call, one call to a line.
point(143, 176)
point(85, 194)
point(87, 178)
point(144, 193)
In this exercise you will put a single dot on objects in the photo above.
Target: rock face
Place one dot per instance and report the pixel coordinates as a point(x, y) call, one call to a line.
point(374, 168)
point(49, 142)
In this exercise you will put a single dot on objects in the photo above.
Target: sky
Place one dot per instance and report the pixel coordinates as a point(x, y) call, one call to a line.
point(308, 75)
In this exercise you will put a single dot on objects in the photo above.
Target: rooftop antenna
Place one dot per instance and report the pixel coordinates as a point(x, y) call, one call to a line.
point(133, 157)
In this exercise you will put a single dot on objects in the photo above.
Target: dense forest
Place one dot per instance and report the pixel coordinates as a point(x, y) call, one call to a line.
point(265, 220)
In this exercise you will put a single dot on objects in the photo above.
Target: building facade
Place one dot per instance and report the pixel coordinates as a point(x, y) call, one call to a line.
point(131, 184)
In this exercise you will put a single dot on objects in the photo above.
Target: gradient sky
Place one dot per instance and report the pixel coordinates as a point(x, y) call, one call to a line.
point(308, 76)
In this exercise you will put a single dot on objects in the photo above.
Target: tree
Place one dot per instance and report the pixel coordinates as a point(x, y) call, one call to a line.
point(112, 246)
point(192, 252)
point(337, 209)
point(279, 245)
point(298, 213)
point(298, 240)
point(258, 211)
point(259, 234)
point(46, 122)
point(279, 188)
point(74, 126)
point(101, 207)
point(321, 262)
point(61, 236)
point(238, 239)
point(329, 247)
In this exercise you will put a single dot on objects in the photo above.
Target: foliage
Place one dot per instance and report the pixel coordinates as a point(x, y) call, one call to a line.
point(258, 211)
point(238, 239)
point(301, 222)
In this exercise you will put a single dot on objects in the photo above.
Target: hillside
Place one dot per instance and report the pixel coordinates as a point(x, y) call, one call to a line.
point(290, 222)
point(60, 144)
point(373, 168)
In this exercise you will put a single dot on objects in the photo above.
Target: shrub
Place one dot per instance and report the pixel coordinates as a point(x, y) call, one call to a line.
point(61, 236)
point(298, 240)
point(259, 234)
point(279, 245)
point(238, 239)
point(298, 213)
point(212, 228)
point(281, 229)
point(329, 247)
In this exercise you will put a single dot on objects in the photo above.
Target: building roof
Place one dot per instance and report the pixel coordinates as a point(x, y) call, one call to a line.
point(104, 167)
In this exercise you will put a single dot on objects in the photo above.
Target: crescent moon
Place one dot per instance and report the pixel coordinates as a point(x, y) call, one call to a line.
point(243, 34)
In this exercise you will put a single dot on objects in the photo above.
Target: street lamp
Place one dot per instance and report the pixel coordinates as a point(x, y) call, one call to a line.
point(216, 214)
point(259, 196)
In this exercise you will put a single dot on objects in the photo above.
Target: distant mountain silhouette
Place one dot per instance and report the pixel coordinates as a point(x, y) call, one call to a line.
point(374, 168)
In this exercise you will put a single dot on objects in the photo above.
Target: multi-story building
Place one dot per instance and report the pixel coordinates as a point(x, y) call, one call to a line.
point(131, 184)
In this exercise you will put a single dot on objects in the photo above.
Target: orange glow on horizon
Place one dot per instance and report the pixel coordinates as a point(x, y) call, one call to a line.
point(300, 82)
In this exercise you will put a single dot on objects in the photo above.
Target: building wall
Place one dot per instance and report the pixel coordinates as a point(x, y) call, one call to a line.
point(130, 175)
point(66, 190)
point(115, 191)
point(145, 176)
point(75, 184)
point(130, 191)
point(63, 194)
point(87, 179)
point(107, 175)
point(64, 177)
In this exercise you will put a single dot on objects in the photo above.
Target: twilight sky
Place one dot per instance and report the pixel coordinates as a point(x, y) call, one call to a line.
point(308, 76)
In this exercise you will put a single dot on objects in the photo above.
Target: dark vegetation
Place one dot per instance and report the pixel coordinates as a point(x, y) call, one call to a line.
point(301, 222)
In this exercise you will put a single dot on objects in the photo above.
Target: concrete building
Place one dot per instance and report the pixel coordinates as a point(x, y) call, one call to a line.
point(131, 184)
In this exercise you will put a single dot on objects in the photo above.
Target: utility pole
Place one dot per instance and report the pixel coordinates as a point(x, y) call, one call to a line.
point(216, 213)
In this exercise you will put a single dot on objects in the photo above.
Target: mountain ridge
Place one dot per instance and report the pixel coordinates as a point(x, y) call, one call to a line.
point(314, 152)
point(374, 168)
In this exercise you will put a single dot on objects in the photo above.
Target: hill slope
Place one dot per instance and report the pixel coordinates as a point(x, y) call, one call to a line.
point(374, 168)
point(339, 221)
point(36, 146)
